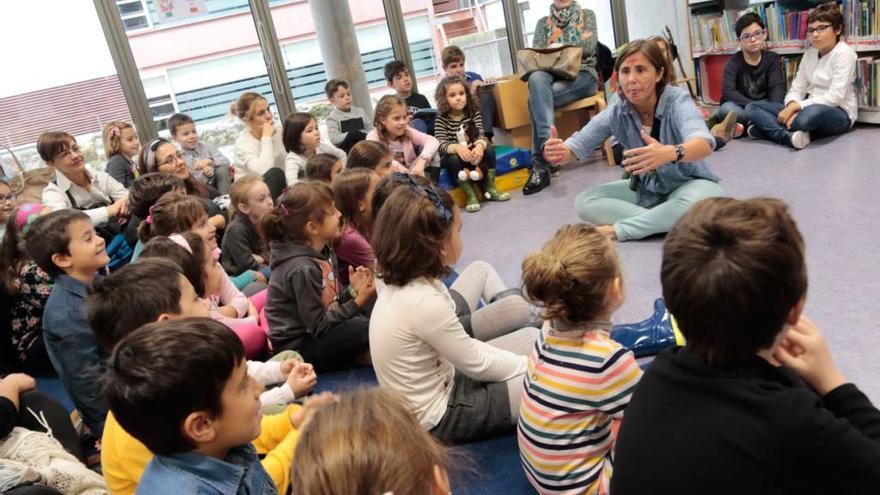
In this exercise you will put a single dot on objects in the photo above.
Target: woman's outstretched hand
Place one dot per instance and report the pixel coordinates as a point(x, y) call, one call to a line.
point(639, 161)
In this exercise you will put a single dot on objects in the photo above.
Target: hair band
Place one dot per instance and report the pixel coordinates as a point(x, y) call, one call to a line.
point(180, 241)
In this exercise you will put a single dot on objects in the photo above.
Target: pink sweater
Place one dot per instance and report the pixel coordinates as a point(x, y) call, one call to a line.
point(413, 138)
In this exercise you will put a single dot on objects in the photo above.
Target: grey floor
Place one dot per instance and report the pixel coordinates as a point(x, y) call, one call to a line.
point(832, 188)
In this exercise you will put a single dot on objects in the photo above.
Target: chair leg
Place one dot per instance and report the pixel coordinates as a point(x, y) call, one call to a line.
point(608, 152)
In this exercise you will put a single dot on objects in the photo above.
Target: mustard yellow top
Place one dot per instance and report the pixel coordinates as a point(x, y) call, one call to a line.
point(124, 458)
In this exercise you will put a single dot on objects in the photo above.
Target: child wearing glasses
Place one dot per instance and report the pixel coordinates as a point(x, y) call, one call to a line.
point(822, 98)
point(753, 74)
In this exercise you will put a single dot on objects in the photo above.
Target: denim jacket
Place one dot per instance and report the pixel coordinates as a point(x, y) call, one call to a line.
point(679, 120)
point(73, 350)
point(240, 473)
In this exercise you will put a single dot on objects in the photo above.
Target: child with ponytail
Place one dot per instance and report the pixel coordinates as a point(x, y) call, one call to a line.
point(579, 380)
point(121, 146)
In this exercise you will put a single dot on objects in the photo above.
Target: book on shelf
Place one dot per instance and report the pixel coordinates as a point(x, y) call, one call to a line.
point(861, 20)
point(790, 65)
point(868, 81)
point(715, 32)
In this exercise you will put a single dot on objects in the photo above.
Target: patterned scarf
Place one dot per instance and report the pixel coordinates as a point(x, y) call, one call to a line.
point(566, 26)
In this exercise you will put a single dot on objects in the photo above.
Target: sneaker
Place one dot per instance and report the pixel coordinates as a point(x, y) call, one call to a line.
point(800, 140)
point(738, 131)
point(753, 132)
point(539, 179)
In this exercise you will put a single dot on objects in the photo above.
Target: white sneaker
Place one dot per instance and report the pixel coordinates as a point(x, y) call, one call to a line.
point(800, 140)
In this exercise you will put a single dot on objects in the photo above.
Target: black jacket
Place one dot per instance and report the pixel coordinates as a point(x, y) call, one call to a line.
point(744, 428)
point(743, 83)
point(240, 242)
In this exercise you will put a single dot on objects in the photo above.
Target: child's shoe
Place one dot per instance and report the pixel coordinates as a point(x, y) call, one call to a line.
point(650, 336)
point(492, 193)
point(473, 204)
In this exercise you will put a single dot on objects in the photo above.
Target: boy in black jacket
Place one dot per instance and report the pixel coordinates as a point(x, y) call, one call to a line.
point(754, 403)
point(400, 79)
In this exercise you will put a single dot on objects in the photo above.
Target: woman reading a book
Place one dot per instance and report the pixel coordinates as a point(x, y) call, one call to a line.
point(665, 142)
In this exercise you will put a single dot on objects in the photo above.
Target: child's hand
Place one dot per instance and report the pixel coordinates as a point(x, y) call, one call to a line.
point(287, 366)
point(259, 259)
point(119, 209)
point(805, 351)
point(252, 311)
point(419, 167)
point(300, 418)
point(259, 277)
point(478, 154)
point(362, 280)
point(218, 221)
point(464, 153)
point(302, 379)
point(20, 382)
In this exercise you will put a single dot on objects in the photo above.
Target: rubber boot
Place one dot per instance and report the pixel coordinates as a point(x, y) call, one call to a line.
point(473, 204)
point(492, 193)
point(649, 337)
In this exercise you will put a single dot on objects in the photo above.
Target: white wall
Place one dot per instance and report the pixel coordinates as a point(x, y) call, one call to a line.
point(647, 17)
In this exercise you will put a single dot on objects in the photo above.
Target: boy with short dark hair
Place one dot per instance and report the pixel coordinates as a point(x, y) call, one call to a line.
point(452, 58)
point(65, 245)
point(172, 297)
point(182, 388)
point(204, 160)
point(347, 125)
point(732, 406)
point(399, 78)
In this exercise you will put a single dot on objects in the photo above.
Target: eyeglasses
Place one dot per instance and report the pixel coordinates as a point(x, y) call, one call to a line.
point(818, 29)
point(8, 197)
point(171, 160)
point(69, 151)
point(757, 35)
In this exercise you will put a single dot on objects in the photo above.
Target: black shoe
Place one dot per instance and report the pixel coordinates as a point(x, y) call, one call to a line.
point(539, 178)
point(554, 170)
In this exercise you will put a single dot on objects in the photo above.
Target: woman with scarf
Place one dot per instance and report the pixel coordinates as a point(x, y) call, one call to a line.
point(567, 25)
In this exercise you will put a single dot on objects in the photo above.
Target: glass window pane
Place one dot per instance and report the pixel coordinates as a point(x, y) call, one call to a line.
point(130, 7)
point(52, 91)
point(541, 8)
point(215, 58)
point(132, 23)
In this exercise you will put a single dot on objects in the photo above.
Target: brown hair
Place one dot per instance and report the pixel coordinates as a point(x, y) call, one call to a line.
point(655, 57)
point(50, 144)
point(302, 203)
point(570, 276)
point(174, 213)
point(333, 85)
point(349, 189)
point(385, 106)
point(148, 188)
point(443, 86)
point(239, 190)
point(320, 167)
point(409, 233)
point(828, 12)
point(732, 272)
point(243, 107)
point(50, 235)
point(191, 261)
point(112, 137)
point(389, 184)
point(291, 132)
point(451, 54)
point(370, 442)
point(367, 154)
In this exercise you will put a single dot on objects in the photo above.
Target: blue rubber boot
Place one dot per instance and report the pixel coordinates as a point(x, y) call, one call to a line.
point(649, 337)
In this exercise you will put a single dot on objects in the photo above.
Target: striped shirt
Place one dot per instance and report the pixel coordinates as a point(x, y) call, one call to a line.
point(577, 383)
point(446, 128)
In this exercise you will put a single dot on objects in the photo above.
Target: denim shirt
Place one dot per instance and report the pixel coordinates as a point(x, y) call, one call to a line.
point(73, 350)
point(240, 473)
point(680, 121)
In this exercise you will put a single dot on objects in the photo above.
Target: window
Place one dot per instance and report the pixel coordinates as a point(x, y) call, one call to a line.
point(133, 14)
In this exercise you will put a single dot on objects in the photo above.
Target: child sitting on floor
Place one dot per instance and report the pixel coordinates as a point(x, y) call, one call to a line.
point(307, 309)
point(350, 431)
point(323, 167)
point(392, 129)
point(302, 140)
point(465, 152)
point(347, 125)
point(579, 380)
point(205, 161)
point(121, 147)
point(65, 245)
point(123, 458)
point(374, 156)
point(453, 60)
point(242, 248)
point(420, 115)
point(182, 388)
point(754, 403)
point(353, 191)
point(419, 346)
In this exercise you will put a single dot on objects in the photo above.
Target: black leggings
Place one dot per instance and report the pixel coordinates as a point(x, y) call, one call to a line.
point(56, 417)
point(34, 490)
point(339, 347)
point(453, 164)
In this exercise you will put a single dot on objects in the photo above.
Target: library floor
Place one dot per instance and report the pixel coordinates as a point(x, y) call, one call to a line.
point(831, 187)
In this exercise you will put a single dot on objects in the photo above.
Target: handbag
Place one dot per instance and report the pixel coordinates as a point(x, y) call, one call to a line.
point(563, 62)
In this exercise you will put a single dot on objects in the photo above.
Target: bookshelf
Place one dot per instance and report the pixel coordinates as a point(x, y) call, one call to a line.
point(713, 41)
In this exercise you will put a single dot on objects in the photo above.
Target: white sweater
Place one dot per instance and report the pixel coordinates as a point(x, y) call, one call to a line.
point(103, 189)
point(254, 156)
point(294, 162)
point(829, 80)
point(417, 343)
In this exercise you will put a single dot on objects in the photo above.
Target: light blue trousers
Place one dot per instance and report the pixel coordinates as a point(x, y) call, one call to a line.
point(615, 204)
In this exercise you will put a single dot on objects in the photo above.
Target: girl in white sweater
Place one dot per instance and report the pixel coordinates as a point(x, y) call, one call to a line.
point(462, 384)
point(822, 98)
point(302, 140)
point(258, 149)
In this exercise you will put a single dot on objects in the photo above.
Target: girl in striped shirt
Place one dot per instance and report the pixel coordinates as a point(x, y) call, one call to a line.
point(579, 380)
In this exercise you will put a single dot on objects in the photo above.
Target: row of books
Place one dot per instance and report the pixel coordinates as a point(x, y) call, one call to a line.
point(862, 19)
point(789, 68)
point(869, 81)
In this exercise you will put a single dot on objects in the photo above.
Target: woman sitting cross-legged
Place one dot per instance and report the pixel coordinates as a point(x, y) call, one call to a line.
point(665, 141)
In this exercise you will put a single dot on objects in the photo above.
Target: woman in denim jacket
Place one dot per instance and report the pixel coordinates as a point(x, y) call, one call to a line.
point(666, 143)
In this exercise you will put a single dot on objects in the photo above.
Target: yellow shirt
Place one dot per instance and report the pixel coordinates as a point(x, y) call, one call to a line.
point(124, 458)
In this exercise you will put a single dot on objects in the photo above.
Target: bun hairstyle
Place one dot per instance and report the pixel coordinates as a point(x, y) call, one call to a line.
point(302, 203)
point(570, 276)
point(243, 107)
point(189, 260)
point(112, 137)
point(174, 213)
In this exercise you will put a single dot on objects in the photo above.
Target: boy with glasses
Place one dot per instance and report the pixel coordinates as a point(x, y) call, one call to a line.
point(822, 99)
point(750, 75)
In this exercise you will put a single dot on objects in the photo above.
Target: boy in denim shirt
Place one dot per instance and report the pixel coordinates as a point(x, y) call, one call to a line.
point(205, 161)
point(65, 245)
